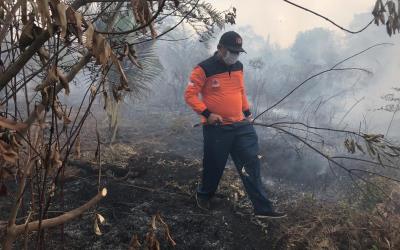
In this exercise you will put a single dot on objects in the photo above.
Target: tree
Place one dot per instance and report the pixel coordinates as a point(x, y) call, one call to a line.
point(51, 47)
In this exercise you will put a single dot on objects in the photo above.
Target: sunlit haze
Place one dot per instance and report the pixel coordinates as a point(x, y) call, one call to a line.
point(281, 21)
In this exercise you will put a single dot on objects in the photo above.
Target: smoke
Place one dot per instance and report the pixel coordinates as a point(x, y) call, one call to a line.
point(341, 99)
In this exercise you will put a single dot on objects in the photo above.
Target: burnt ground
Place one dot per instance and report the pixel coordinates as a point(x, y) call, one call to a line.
point(161, 183)
point(156, 172)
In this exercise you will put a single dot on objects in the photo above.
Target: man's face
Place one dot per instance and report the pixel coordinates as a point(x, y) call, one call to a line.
point(224, 51)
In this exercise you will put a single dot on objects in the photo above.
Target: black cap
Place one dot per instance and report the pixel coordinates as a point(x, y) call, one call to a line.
point(232, 41)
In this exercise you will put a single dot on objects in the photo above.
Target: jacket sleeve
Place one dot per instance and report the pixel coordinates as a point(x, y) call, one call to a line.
point(245, 102)
point(193, 89)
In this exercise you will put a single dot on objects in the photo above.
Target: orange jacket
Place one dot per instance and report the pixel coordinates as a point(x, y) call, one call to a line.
point(222, 90)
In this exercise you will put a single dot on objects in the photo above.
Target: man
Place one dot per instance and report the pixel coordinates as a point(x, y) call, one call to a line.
point(227, 129)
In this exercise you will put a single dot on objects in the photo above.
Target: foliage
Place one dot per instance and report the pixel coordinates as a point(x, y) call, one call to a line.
point(104, 48)
point(389, 13)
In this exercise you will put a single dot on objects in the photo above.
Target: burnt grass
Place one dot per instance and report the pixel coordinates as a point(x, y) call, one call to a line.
point(161, 183)
point(157, 171)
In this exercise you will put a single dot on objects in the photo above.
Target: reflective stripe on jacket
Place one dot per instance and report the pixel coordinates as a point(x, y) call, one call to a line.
point(221, 88)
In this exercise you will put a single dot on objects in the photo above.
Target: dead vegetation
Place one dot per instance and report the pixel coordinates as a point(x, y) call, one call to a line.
point(48, 46)
point(135, 221)
point(51, 46)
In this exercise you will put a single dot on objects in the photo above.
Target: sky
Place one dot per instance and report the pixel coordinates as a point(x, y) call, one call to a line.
point(280, 21)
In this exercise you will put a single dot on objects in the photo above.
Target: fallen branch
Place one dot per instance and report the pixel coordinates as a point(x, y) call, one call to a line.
point(68, 216)
point(14, 230)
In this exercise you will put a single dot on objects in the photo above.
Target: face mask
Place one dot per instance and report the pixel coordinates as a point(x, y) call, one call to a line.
point(230, 58)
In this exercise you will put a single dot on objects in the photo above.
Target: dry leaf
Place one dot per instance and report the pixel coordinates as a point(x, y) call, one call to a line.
point(43, 6)
point(6, 123)
point(123, 78)
point(389, 26)
point(61, 9)
point(116, 94)
point(101, 49)
point(352, 146)
point(134, 244)
point(382, 17)
point(15, 143)
point(78, 18)
point(153, 222)
point(153, 31)
point(66, 120)
point(391, 7)
point(244, 172)
point(64, 81)
point(70, 15)
point(74, 20)
point(45, 96)
point(101, 219)
point(55, 158)
point(43, 55)
point(2, 4)
point(10, 156)
point(50, 79)
point(126, 49)
point(7, 153)
point(167, 232)
point(96, 228)
point(89, 36)
point(93, 90)
point(136, 10)
point(58, 111)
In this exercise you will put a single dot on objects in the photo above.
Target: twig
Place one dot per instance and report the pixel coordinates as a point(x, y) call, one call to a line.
point(321, 73)
point(149, 22)
point(167, 232)
point(329, 20)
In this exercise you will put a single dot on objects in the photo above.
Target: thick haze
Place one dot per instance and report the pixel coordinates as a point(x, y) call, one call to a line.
point(282, 35)
point(280, 22)
point(278, 58)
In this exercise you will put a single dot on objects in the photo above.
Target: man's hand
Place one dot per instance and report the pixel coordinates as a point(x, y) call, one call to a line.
point(214, 119)
point(250, 118)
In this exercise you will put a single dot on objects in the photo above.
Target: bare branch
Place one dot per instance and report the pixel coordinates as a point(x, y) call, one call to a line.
point(23, 59)
point(329, 20)
point(8, 20)
point(334, 68)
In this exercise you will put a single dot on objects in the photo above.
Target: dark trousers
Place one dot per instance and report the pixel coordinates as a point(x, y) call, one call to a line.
point(241, 142)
